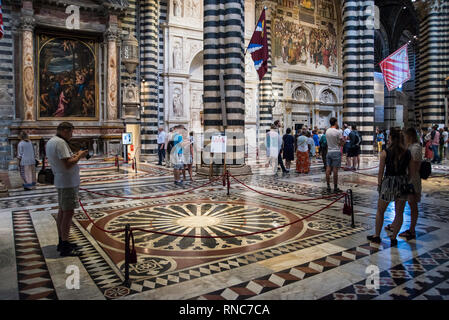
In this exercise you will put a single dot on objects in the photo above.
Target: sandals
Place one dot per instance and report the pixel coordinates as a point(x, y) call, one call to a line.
point(374, 239)
point(393, 242)
point(408, 235)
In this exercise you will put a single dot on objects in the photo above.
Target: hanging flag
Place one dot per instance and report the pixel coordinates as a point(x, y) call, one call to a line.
point(258, 46)
point(395, 68)
point(2, 29)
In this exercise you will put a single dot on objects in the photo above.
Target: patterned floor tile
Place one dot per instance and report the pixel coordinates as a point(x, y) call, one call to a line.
point(33, 277)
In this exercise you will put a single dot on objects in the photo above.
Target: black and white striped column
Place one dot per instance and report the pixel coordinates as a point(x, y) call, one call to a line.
point(7, 98)
point(433, 62)
point(266, 84)
point(149, 24)
point(358, 68)
point(224, 50)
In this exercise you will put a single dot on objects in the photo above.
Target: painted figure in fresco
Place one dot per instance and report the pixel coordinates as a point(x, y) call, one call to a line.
point(63, 102)
point(308, 4)
point(66, 79)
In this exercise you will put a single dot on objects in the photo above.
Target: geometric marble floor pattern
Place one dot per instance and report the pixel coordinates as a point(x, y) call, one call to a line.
point(33, 277)
point(202, 256)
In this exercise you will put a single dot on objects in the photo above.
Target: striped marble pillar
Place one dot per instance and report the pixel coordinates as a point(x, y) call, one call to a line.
point(433, 61)
point(358, 68)
point(149, 24)
point(224, 52)
point(266, 84)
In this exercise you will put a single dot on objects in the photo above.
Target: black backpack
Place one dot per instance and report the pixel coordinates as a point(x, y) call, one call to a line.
point(441, 140)
point(425, 170)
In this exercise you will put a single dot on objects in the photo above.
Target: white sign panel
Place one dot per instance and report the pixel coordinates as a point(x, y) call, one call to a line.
point(218, 144)
point(127, 138)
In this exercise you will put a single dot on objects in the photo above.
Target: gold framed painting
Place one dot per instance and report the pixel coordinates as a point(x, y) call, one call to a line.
point(67, 77)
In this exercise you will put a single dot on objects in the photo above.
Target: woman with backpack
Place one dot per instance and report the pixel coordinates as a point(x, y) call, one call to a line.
point(393, 186)
point(354, 148)
point(412, 143)
point(323, 148)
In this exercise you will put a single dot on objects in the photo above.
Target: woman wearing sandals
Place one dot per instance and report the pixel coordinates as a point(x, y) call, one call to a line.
point(393, 186)
point(411, 140)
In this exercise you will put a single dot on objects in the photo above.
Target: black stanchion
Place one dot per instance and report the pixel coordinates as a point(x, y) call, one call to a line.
point(135, 165)
point(118, 164)
point(352, 208)
point(228, 181)
point(127, 282)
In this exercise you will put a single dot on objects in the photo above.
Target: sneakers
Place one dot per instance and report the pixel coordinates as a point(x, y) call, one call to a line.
point(71, 245)
point(328, 188)
point(337, 190)
point(67, 249)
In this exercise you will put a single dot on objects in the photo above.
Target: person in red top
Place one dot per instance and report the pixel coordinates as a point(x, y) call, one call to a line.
point(435, 138)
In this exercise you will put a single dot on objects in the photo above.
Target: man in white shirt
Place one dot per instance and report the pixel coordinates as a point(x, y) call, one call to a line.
point(161, 145)
point(334, 140)
point(66, 171)
point(274, 143)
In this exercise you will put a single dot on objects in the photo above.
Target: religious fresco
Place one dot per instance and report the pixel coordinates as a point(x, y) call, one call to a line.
point(308, 48)
point(307, 4)
point(67, 85)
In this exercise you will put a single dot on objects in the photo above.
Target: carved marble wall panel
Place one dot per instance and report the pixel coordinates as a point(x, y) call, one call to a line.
point(112, 80)
point(186, 12)
point(28, 76)
point(177, 53)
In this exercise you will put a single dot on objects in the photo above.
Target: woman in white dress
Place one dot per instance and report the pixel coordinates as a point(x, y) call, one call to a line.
point(27, 161)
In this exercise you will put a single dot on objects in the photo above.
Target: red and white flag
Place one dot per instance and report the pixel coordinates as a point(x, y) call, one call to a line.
point(395, 68)
point(2, 29)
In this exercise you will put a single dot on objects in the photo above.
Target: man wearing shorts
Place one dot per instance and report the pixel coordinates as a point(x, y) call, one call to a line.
point(66, 171)
point(334, 140)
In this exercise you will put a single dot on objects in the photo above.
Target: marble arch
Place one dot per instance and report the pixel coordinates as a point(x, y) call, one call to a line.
point(300, 90)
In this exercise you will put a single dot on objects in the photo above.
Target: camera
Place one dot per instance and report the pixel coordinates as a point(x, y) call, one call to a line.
point(88, 156)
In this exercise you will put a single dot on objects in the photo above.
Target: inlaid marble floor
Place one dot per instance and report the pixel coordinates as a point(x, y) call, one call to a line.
point(196, 242)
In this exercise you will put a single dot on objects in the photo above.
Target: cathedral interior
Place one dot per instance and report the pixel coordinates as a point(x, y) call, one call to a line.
point(236, 230)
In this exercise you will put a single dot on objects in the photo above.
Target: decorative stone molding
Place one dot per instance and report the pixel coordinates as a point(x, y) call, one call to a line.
point(327, 96)
point(28, 75)
point(27, 23)
point(112, 33)
point(301, 93)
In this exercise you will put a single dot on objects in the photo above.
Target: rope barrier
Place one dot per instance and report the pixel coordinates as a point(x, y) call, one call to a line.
point(151, 197)
point(363, 169)
point(285, 198)
point(209, 237)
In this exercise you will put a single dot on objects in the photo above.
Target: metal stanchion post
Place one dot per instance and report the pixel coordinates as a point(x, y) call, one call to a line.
point(127, 282)
point(352, 209)
point(228, 181)
point(135, 165)
point(118, 164)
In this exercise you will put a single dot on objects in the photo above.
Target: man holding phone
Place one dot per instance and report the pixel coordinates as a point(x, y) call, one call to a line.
point(64, 164)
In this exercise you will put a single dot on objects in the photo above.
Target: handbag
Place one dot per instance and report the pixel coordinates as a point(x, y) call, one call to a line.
point(45, 175)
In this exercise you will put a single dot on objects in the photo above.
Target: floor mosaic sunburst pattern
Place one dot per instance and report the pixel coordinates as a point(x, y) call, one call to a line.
point(198, 243)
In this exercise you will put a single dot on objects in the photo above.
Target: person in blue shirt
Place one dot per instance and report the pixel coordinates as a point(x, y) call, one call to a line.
point(177, 156)
point(316, 140)
point(380, 138)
